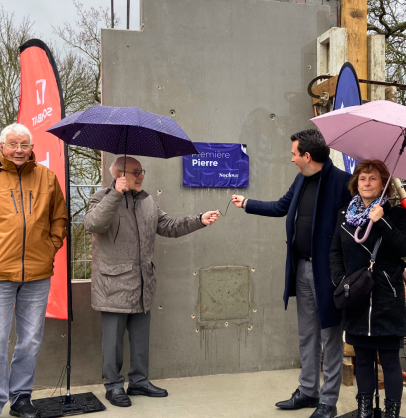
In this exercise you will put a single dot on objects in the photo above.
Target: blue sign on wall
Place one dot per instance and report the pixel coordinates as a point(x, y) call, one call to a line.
point(347, 94)
point(216, 165)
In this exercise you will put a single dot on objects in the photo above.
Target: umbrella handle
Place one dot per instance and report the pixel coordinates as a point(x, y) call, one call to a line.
point(366, 235)
point(377, 409)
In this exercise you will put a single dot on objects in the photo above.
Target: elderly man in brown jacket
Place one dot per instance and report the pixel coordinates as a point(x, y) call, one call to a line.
point(123, 282)
point(33, 219)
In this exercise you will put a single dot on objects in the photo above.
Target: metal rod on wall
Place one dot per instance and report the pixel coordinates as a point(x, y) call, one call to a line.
point(128, 14)
point(112, 14)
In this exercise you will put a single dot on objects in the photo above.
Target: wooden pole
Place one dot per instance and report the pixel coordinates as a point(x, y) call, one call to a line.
point(400, 189)
point(354, 18)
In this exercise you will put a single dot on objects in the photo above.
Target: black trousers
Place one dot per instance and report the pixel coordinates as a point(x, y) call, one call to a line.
point(392, 372)
point(113, 327)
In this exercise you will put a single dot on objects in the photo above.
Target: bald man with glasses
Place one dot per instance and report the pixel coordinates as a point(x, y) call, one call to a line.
point(124, 220)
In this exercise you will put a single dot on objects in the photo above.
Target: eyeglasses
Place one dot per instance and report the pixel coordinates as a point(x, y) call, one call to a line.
point(13, 146)
point(135, 173)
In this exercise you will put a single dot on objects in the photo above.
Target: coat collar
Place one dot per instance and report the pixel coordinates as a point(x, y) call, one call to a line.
point(7, 165)
point(325, 171)
point(326, 168)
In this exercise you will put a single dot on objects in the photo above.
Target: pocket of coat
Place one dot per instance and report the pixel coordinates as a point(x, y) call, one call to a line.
point(14, 200)
point(121, 234)
point(118, 229)
point(118, 283)
point(29, 203)
point(53, 249)
point(8, 210)
point(115, 270)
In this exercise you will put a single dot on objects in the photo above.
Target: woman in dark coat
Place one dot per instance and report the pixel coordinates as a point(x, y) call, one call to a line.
point(379, 323)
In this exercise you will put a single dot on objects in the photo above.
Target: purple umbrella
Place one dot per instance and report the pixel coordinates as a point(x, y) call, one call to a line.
point(124, 130)
point(375, 130)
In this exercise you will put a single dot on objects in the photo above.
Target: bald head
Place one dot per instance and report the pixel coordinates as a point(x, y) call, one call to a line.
point(117, 166)
point(133, 172)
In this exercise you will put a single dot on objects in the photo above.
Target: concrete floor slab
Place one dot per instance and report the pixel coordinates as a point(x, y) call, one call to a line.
point(246, 395)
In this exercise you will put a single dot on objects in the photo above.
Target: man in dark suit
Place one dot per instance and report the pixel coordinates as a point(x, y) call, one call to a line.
point(311, 206)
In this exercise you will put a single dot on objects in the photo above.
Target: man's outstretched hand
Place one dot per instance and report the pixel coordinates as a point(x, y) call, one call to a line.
point(237, 200)
point(210, 217)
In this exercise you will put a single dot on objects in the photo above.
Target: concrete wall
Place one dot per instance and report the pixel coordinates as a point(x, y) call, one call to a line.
point(233, 71)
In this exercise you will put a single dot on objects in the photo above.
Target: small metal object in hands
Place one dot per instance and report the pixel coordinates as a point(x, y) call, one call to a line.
point(221, 213)
point(226, 209)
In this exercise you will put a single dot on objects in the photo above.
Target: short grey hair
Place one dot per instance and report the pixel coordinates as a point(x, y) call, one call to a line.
point(118, 165)
point(18, 129)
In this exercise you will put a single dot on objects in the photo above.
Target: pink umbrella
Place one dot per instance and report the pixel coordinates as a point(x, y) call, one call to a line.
point(375, 130)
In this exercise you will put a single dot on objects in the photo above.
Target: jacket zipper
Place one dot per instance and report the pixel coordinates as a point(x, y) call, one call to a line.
point(390, 284)
point(386, 223)
point(30, 202)
point(348, 232)
point(336, 285)
point(24, 225)
point(14, 201)
point(139, 255)
point(370, 314)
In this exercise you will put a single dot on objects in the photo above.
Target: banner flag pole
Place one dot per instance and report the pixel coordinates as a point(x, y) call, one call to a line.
point(41, 106)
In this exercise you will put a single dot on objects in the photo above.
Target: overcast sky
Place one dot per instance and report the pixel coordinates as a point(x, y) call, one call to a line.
point(48, 13)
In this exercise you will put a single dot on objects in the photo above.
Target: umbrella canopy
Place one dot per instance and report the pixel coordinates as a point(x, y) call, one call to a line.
point(125, 130)
point(374, 130)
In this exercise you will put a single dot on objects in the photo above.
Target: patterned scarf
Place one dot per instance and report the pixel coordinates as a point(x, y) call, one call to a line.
point(357, 214)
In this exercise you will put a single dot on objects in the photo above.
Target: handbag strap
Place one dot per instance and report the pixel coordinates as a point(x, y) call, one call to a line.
point(374, 253)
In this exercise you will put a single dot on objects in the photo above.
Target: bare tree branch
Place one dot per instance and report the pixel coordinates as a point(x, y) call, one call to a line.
point(11, 37)
point(388, 17)
point(84, 38)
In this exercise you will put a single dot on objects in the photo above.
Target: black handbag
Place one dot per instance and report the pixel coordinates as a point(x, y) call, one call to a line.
point(357, 287)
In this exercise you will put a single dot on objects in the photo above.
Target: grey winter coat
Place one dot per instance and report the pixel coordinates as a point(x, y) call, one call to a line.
point(123, 246)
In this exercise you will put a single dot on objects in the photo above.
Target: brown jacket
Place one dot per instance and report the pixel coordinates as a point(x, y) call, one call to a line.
point(33, 219)
point(123, 246)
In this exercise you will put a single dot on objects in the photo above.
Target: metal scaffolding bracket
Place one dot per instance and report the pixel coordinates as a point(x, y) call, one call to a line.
point(322, 92)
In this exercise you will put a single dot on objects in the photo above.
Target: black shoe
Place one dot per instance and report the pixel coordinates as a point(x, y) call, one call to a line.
point(297, 401)
point(364, 405)
point(23, 408)
point(324, 411)
point(117, 397)
point(147, 390)
point(392, 408)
